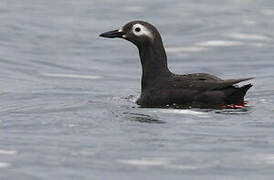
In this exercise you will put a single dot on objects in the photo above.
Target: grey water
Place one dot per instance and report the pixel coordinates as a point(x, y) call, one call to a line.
point(67, 97)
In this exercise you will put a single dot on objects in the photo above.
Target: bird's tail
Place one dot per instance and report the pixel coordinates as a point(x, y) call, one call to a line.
point(237, 96)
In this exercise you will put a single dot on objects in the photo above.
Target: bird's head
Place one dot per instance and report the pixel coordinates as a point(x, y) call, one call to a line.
point(139, 33)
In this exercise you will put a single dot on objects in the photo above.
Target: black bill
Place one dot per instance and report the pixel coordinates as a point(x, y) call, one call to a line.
point(112, 34)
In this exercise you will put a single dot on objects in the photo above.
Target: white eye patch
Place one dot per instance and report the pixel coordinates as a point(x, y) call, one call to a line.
point(140, 30)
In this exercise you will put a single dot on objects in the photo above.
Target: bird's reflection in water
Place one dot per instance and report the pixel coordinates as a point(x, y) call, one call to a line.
point(143, 118)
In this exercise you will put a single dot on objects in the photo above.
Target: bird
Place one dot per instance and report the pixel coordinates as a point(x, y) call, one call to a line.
point(162, 88)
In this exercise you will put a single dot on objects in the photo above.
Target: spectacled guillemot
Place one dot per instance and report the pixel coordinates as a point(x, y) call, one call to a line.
point(160, 87)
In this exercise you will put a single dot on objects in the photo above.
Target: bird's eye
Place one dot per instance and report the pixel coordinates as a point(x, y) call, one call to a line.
point(137, 29)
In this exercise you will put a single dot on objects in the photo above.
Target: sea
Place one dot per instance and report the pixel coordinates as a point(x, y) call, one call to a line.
point(67, 96)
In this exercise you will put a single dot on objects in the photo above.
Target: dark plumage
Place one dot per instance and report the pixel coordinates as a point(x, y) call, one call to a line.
point(160, 87)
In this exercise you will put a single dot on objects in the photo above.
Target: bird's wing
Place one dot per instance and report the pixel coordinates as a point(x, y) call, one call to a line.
point(229, 82)
point(204, 82)
point(199, 76)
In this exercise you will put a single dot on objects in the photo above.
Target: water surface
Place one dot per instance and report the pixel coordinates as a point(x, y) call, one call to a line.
point(67, 96)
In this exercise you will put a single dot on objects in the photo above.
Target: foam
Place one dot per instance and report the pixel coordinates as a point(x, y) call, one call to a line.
point(75, 76)
point(243, 36)
point(215, 43)
point(185, 49)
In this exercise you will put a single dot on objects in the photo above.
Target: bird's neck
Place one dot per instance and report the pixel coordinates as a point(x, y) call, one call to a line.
point(154, 64)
